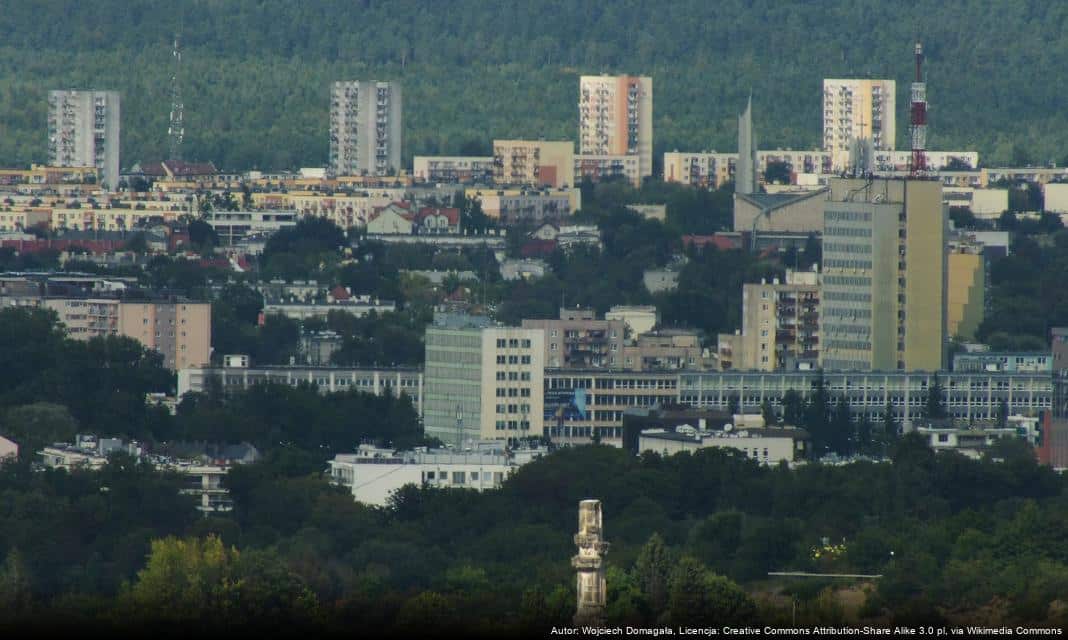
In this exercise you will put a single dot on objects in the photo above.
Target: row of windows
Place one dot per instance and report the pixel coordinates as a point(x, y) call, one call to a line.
point(846, 296)
point(513, 425)
point(848, 216)
point(453, 357)
point(512, 392)
point(848, 344)
point(513, 408)
point(513, 375)
point(513, 359)
point(460, 477)
point(832, 263)
point(848, 281)
point(846, 312)
point(851, 232)
point(842, 247)
point(513, 343)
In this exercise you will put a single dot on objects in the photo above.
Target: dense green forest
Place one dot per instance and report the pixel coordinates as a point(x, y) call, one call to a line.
point(257, 72)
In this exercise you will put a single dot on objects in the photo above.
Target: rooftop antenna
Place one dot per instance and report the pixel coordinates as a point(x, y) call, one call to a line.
point(176, 128)
point(919, 118)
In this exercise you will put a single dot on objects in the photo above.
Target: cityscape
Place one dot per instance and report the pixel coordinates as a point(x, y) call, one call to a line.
point(785, 391)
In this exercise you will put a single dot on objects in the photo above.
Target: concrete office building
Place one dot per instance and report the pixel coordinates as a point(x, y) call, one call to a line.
point(856, 110)
point(616, 118)
point(883, 304)
point(765, 446)
point(534, 163)
point(83, 131)
point(365, 128)
point(483, 381)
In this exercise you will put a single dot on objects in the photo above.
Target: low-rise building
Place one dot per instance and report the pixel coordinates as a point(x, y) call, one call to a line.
point(1008, 362)
point(667, 350)
point(766, 446)
point(238, 377)
point(453, 169)
point(358, 306)
point(527, 206)
point(9, 449)
point(374, 475)
point(660, 280)
point(516, 269)
point(235, 226)
point(535, 163)
point(594, 167)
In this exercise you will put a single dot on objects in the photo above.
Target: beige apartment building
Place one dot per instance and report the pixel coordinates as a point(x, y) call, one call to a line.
point(780, 325)
point(180, 330)
point(533, 163)
point(616, 118)
point(883, 304)
point(856, 109)
point(579, 340)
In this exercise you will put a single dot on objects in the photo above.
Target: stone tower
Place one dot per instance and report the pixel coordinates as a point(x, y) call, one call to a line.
point(589, 565)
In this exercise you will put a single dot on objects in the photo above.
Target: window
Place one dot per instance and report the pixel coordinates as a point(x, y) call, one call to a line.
point(552, 346)
point(457, 477)
point(429, 475)
point(501, 343)
point(474, 476)
point(526, 359)
point(526, 343)
point(500, 360)
point(513, 343)
point(500, 375)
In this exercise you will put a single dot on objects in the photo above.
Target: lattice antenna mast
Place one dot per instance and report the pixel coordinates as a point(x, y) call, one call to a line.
point(919, 117)
point(176, 129)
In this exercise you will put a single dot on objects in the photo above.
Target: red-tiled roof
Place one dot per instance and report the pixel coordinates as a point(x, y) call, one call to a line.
point(452, 214)
point(339, 293)
point(723, 243)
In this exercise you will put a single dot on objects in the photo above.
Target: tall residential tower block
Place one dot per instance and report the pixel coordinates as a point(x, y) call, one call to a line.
point(616, 118)
point(365, 128)
point(857, 111)
point(83, 131)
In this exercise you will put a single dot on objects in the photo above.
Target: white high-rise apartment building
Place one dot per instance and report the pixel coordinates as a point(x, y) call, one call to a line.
point(855, 110)
point(83, 131)
point(365, 128)
point(616, 118)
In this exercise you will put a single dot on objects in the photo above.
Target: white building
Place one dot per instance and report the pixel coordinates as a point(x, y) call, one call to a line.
point(373, 474)
point(639, 319)
point(234, 226)
point(358, 306)
point(83, 131)
point(767, 446)
point(855, 110)
point(365, 128)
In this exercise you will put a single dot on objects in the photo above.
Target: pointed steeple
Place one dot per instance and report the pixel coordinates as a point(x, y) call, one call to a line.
point(745, 180)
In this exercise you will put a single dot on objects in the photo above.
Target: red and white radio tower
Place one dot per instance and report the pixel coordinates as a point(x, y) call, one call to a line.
point(919, 117)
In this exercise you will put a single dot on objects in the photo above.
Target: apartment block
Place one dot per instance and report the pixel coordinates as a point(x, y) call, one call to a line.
point(181, 331)
point(883, 304)
point(453, 169)
point(667, 350)
point(606, 167)
point(708, 169)
point(533, 163)
point(616, 118)
point(483, 381)
point(83, 131)
point(365, 128)
point(780, 324)
point(578, 339)
point(855, 110)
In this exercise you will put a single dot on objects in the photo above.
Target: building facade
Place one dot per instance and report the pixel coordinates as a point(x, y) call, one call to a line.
point(453, 169)
point(855, 110)
point(365, 128)
point(883, 303)
point(780, 324)
point(536, 163)
point(83, 131)
point(616, 118)
point(579, 340)
point(965, 290)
